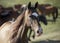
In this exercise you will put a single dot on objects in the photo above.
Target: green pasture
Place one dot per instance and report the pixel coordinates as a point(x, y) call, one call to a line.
point(51, 32)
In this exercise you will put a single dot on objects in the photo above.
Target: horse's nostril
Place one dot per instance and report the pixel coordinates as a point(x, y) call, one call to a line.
point(41, 32)
point(37, 31)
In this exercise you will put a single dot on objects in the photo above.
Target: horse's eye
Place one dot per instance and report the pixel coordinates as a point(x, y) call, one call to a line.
point(33, 17)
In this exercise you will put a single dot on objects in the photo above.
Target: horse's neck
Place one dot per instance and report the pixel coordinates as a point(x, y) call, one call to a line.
point(21, 28)
point(22, 32)
point(26, 16)
point(17, 22)
point(15, 37)
point(25, 29)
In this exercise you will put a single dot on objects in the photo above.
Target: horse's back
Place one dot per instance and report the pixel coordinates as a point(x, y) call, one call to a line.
point(5, 24)
point(4, 31)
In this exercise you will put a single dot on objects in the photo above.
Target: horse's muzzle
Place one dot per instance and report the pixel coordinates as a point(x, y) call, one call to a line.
point(39, 32)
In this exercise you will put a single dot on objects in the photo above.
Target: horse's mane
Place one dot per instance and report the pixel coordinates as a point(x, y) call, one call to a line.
point(18, 33)
point(16, 30)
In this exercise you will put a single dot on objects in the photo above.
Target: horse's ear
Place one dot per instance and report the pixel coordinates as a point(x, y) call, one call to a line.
point(36, 4)
point(29, 5)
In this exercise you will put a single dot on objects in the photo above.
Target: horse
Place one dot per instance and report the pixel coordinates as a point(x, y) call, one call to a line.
point(47, 9)
point(16, 32)
point(41, 18)
point(8, 14)
point(13, 14)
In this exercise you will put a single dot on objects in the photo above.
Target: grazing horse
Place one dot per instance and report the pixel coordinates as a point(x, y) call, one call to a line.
point(16, 32)
point(47, 9)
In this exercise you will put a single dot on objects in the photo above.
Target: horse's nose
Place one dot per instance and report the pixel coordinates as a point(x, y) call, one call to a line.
point(40, 31)
point(37, 31)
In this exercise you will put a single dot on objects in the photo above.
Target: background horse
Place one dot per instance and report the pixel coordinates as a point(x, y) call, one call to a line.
point(10, 13)
point(16, 32)
point(47, 9)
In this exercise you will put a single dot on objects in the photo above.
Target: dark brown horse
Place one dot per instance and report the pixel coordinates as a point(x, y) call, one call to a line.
point(47, 9)
point(16, 32)
point(8, 14)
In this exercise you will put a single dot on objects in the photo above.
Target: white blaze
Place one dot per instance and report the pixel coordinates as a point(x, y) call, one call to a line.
point(35, 14)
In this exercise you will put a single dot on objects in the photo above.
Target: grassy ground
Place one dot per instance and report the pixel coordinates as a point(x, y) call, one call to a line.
point(51, 32)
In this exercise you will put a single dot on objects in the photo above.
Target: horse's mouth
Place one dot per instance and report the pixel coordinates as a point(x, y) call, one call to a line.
point(39, 34)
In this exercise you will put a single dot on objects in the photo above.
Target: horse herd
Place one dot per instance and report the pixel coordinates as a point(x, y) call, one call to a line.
point(16, 21)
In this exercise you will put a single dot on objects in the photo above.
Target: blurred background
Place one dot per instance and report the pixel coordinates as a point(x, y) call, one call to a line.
point(51, 32)
point(13, 2)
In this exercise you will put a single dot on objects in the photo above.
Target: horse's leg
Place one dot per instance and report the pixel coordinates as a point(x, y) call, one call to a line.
point(54, 17)
point(56, 12)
